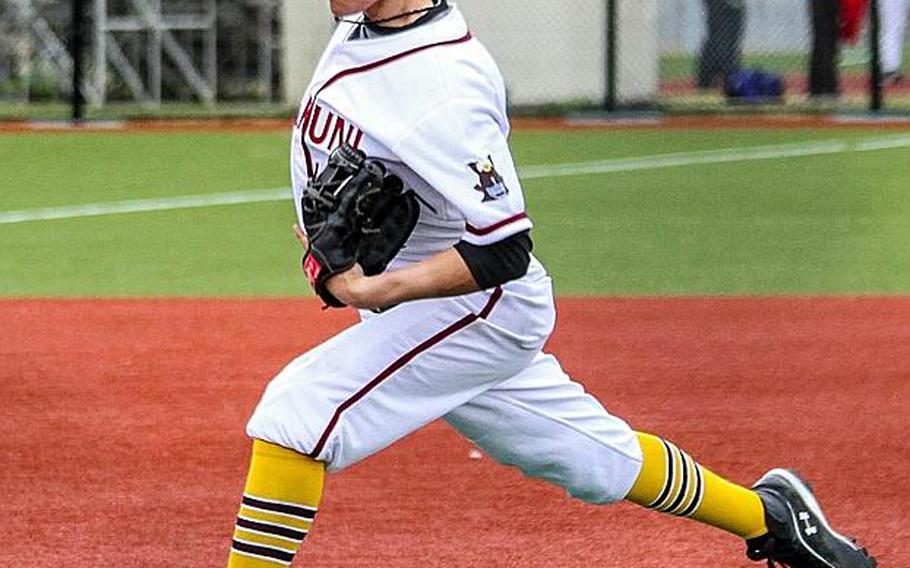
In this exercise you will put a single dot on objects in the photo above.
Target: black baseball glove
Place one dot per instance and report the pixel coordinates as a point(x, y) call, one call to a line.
point(353, 211)
point(391, 220)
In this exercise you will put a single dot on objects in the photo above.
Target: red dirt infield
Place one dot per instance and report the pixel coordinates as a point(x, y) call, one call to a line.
point(123, 439)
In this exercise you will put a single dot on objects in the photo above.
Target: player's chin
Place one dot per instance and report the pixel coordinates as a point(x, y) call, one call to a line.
point(346, 7)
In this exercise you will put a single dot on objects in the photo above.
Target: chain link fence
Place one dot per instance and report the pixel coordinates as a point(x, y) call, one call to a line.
point(712, 49)
point(217, 57)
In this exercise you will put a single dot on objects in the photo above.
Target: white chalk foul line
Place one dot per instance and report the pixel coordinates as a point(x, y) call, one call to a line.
point(885, 143)
point(144, 205)
point(659, 161)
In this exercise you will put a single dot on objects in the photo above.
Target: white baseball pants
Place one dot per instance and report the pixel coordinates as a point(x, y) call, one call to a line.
point(894, 16)
point(474, 360)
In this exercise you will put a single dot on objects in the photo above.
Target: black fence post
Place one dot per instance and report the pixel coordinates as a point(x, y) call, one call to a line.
point(612, 56)
point(876, 96)
point(77, 43)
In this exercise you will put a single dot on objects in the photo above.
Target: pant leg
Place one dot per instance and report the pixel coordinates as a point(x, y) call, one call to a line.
point(904, 23)
point(722, 49)
point(823, 76)
point(731, 35)
point(545, 424)
point(893, 16)
point(391, 374)
point(708, 67)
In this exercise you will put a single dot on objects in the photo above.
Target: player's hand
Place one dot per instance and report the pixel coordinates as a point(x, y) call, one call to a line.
point(350, 286)
point(301, 237)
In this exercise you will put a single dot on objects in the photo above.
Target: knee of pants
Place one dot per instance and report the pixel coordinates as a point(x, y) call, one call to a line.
point(592, 486)
point(596, 471)
point(601, 480)
point(289, 414)
point(281, 428)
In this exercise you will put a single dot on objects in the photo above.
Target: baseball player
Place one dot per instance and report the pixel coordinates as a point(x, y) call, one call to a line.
point(410, 209)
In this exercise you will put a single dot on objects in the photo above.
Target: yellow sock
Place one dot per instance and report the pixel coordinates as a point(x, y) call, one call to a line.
point(282, 494)
point(672, 482)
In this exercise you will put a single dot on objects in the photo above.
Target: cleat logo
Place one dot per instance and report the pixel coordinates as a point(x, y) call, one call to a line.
point(810, 528)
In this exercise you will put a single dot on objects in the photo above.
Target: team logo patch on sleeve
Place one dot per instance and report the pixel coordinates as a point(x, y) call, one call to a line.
point(490, 182)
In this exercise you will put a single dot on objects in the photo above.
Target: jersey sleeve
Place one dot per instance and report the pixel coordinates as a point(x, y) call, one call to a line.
point(461, 150)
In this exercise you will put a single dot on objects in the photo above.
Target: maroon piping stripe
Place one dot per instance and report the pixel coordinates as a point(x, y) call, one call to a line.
point(487, 230)
point(497, 294)
point(387, 60)
point(401, 362)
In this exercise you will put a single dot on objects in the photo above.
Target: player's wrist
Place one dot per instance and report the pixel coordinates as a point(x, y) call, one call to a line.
point(355, 289)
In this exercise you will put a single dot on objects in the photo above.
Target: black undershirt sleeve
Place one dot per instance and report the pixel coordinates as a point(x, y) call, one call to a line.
point(500, 262)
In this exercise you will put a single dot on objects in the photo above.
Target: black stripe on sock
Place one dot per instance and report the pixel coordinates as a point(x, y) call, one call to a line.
point(699, 490)
point(669, 483)
point(683, 486)
point(681, 503)
point(267, 551)
point(293, 510)
point(286, 532)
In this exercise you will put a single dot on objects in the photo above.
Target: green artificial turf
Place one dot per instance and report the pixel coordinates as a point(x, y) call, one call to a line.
point(676, 66)
point(53, 169)
point(811, 225)
point(681, 66)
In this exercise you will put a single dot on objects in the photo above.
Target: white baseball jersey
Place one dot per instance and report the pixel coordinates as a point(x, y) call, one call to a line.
point(430, 102)
point(395, 98)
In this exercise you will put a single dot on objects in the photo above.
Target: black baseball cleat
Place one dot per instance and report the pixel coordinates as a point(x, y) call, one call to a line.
point(799, 534)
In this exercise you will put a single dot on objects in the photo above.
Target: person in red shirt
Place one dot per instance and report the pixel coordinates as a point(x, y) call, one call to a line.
point(853, 13)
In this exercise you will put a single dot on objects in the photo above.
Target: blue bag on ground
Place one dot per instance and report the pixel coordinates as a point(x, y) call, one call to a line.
point(753, 86)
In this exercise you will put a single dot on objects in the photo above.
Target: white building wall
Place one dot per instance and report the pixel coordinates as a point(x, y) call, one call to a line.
point(549, 52)
point(638, 44)
point(306, 27)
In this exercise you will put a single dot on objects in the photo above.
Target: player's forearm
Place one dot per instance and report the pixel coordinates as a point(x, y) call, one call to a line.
point(445, 274)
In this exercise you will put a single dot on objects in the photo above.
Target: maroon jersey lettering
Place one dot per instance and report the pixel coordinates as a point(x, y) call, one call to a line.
point(322, 129)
